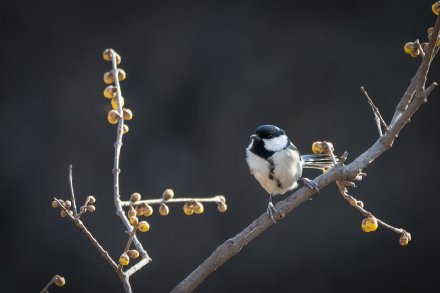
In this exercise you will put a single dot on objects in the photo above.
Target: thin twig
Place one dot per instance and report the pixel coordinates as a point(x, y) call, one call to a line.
point(422, 52)
point(46, 288)
point(352, 201)
point(430, 88)
point(215, 199)
point(75, 211)
point(89, 235)
point(116, 171)
point(129, 241)
point(377, 117)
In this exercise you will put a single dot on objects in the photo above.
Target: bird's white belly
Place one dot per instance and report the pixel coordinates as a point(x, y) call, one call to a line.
point(285, 174)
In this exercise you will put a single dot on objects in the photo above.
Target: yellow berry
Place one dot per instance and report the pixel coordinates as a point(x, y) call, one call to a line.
point(168, 194)
point(108, 77)
point(113, 117)
point(91, 199)
point(133, 253)
point(404, 240)
point(143, 226)
point(133, 220)
point(67, 204)
point(436, 7)
point(136, 196)
point(91, 208)
point(164, 210)
point(124, 259)
point(131, 212)
point(139, 210)
point(148, 210)
point(317, 147)
point(63, 213)
point(110, 91)
point(198, 208)
point(222, 207)
point(55, 204)
point(187, 209)
point(59, 281)
point(408, 48)
point(369, 224)
point(127, 114)
point(107, 55)
point(415, 53)
point(125, 129)
point(121, 74)
point(114, 103)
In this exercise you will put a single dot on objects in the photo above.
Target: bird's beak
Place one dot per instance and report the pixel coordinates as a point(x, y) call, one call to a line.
point(256, 137)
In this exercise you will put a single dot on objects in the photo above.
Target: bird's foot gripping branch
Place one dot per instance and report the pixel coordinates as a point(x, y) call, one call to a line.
point(344, 175)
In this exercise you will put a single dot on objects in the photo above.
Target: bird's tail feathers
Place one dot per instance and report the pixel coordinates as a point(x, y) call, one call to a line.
point(320, 161)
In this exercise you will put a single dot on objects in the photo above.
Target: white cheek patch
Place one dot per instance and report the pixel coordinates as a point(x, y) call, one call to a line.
point(276, 143)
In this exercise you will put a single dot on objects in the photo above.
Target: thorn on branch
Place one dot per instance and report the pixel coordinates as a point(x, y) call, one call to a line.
point(430, 89)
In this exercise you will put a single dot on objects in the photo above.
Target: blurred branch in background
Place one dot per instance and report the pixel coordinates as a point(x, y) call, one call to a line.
point(415, 96)
point(118, 115)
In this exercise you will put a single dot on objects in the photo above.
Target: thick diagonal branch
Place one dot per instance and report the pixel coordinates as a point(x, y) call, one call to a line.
point(404, 111)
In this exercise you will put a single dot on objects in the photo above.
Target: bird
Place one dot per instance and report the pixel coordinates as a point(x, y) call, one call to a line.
point(277, 165)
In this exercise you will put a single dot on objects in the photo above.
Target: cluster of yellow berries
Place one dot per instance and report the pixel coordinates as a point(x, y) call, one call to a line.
point(322, 147)
point(67, 204)
point(124, 259)
point(111, 91)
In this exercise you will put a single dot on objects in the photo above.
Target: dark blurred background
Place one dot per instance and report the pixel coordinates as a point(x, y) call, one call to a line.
point(201, 77)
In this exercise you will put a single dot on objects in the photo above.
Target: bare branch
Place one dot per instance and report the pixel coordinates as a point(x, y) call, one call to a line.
point(377, 117)
point(89, 235)
point(116, 170)
point(404, 111)
point(215, 199)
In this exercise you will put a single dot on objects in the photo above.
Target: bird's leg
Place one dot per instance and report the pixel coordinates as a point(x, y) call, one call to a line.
point(310, 183)
point(271, 209)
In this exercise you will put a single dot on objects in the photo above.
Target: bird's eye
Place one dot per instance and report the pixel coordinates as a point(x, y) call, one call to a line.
point(270, 136)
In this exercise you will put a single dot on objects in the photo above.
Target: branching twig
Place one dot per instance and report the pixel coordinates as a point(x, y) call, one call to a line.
point(116, 170)
point(89, 235)
point(404, 111)
point(377, 117)
point(215, 199)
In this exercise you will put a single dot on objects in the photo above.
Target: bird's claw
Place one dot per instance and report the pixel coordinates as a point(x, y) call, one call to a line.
point(271, 210)
point(310, 183)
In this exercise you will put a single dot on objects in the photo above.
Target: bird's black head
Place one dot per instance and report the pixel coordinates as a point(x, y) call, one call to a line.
point(267, 132)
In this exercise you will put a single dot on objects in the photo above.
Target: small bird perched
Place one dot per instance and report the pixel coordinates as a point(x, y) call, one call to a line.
point(276, 163)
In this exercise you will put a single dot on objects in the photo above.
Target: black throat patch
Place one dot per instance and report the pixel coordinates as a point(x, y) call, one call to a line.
point(259, 149)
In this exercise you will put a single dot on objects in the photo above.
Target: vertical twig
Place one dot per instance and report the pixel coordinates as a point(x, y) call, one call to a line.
point(377, 117)
point(75, 211)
